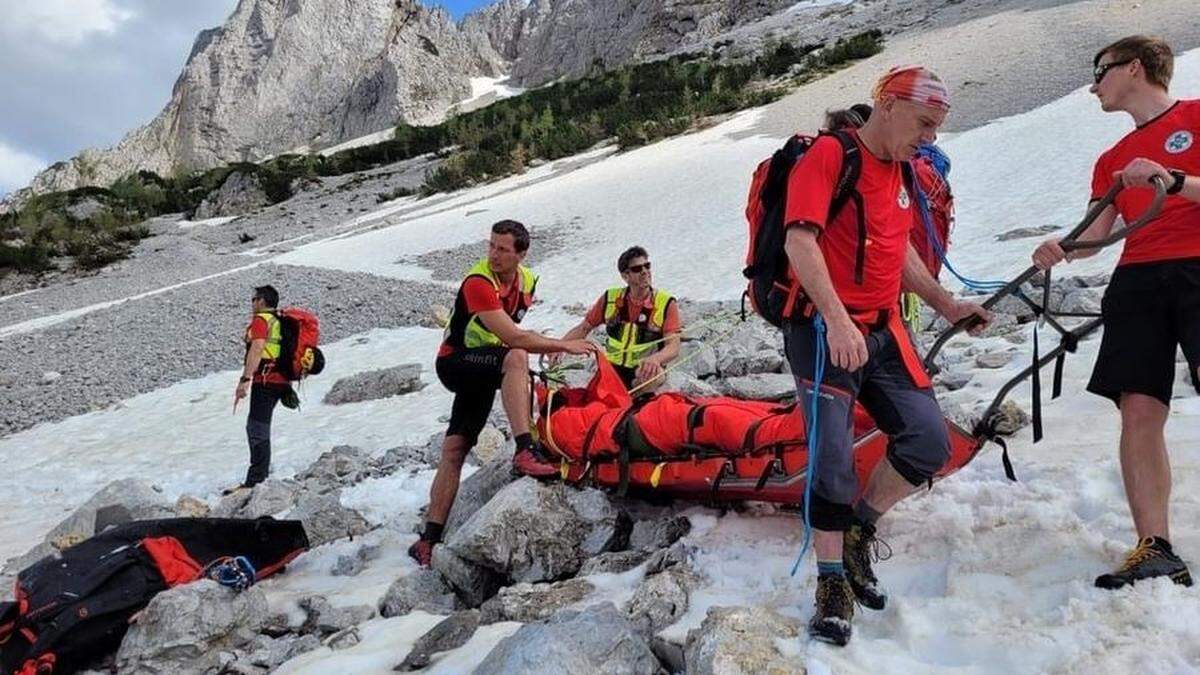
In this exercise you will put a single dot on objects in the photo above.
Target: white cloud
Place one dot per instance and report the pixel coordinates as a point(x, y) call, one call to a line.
point(63, 22)
point(17, 168)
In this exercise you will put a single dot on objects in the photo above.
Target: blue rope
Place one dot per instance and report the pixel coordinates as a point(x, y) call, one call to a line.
point(814, 435)
point(931, 232)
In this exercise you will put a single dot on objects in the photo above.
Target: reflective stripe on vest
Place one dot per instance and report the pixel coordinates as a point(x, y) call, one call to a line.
point(626, 345)
point(475, 334)
point(274, 336)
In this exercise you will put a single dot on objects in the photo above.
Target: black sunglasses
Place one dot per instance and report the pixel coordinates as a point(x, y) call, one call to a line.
point(638, 269)
point(1102, 69)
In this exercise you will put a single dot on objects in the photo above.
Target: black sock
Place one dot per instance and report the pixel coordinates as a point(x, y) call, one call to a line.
point(524, 441)
point(433, 532)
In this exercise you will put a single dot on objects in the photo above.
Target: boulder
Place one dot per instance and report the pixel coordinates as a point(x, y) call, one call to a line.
point(270, 653)
point(478, 489)
point(1083, 300)
point(532, 531)
point(661, 599)
point(613, 563)
point(994, 359)
point(599, 640)
point(241, 193)
point(343, 466)
point(743, 641)
point(268, 498)
point(1009, 418)
point(471, 582)
point(761, 387)
point(325, 519)
point(422, 590)
point(651, 535)
point(953, 380)
point(119, 501)
point(534, 602)
point(451, 633)
point(688, 385)
point(323, 619)
point(188, 506)
point(756, 358)
point(698, 358)
point(184, 629)
point(376, 384)
point(490, 446)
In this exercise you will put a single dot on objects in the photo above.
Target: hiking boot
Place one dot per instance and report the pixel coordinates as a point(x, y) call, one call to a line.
point(1151, 558)
point(533, 461)
point(835, 610)
point(422, 552)
point(860, 548)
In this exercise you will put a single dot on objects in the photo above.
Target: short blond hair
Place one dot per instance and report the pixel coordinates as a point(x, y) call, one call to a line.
point(1155, 55)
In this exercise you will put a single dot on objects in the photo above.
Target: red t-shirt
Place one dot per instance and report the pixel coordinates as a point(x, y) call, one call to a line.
point(889, 213)
point(671, 322)
point(481, 296)
point(1173, 140)
point(260, 330)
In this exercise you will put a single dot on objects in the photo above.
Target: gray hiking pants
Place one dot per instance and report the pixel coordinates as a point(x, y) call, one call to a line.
point(918, 444)
point(263, 399)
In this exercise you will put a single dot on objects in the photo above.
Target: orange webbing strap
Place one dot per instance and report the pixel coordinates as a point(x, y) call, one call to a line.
point(908, 353)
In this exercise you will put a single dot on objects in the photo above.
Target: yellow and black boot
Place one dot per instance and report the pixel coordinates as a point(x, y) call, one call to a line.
point(1151, 558)
point(834, 610)
point(859, 548)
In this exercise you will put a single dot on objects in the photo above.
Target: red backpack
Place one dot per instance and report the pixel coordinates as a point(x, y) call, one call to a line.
point(299, 356)
point(773, 288)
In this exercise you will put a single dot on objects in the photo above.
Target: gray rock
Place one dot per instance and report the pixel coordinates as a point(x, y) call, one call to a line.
point(478, 489)
point(607, 528)
point(742, 640)
point(699, 359)
point(761, 387)
point(953, 380)
point(241, 193)
point(994, 359)
point(688, 385)
point(1084, 300)
point(376, 384)
point(343, 466)
point(471, 582)
point(613, 563)
point(490, 446)
point(679, 554)
point(183, 629)
point(348, 566)
point(1091, 280)
point(1010, 418)
point(137, 499)
point(85, 209)
point(1027, 232)
point(527, 532)
point(738, 360)
point(422, 590)
point(324, 619)
point(669, 654)
point(270, 653)
point(268, 498)
point(534, 602)
point(651, 535)
point(596, 641)
point(343, 639)
point(1002, 324)
point(451, 633)
point(51, 376)
point(325, 519)
point(661, 599)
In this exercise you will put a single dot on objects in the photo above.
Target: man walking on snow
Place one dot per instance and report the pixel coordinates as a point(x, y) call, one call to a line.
point(850, 267)
point(262, 381)
point(484, 352)
point(1152, 303)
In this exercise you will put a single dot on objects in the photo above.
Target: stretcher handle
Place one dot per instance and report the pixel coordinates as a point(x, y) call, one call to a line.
point(1068, 243)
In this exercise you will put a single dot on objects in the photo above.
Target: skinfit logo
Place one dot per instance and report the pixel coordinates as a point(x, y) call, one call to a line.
point(902, 199)
point(1179, 141)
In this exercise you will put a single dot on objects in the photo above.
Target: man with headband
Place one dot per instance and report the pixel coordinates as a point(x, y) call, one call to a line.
point(850, 267)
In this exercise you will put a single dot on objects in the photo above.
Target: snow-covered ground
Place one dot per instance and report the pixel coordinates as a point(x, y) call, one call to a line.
point(987, 577)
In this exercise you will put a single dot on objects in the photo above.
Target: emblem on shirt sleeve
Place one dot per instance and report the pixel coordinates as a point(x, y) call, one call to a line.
point(1179, 141)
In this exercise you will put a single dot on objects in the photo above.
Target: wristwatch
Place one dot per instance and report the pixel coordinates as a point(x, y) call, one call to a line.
point(1177, 186)
point(244, 379)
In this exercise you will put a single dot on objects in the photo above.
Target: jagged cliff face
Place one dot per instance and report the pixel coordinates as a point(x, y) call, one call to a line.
point(557, 38)
point(287, 74)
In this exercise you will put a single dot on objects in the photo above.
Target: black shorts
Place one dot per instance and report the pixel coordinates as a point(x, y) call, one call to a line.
point(1150, 309)
point(474, 375)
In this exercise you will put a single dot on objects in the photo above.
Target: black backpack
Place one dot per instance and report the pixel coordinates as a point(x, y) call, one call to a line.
point(772, 289)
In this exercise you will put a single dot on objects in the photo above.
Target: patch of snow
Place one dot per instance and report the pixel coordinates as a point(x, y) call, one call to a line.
point(207, 222)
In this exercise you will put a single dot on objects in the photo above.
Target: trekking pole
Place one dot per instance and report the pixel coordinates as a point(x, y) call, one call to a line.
point(1068, 243)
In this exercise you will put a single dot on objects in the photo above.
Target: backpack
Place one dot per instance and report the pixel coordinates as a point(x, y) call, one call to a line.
point(299, 355)
point(773, 288)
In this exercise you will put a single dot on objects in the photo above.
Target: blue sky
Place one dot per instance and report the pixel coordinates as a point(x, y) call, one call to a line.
point(82, 73)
